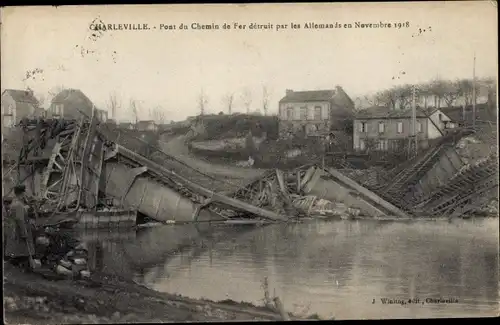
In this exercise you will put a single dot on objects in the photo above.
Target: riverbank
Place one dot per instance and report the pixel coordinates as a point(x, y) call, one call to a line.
point(34, 299)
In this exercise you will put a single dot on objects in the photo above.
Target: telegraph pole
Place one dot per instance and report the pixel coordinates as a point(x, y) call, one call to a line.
point(474, 92)
point(414, 117)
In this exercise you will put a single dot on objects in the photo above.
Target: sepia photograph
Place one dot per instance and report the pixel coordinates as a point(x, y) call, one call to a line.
point(249, 162)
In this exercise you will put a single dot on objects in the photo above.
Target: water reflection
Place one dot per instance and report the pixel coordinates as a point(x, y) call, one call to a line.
point(333, 269)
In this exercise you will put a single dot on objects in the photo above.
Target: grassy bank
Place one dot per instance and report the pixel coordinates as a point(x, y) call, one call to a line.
point(30, 298)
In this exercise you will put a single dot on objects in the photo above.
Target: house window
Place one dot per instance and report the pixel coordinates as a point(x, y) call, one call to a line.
point(58, 109)
point(381, 127)
point(384, 144)
point(362, 144)
point(317, 113)
point(289, 113)
point(400, 127)
point(419, 127)
point(362, 127)
point(303, 113)
point(440, 116)
point(10, 110)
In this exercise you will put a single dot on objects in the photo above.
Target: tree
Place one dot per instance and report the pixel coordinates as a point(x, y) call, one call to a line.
point(438, 88)
point(246, 98)
point(423, 92)
point(113, 104)
point(53, 92)
point(403, 95)
point(489, 85)
point(265, 99)
point(451, 92)
point(158, 115)
point(133, 110)
point(202, 102)
point(372, 100)
point(41, 99)
point(465, 87)
point(386, 98)
point(228, 102)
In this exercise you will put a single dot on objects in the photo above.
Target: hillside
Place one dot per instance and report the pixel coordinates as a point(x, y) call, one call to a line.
point(217, 127)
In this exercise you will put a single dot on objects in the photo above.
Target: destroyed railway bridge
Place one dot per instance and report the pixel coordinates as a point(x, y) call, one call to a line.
point(71, 166)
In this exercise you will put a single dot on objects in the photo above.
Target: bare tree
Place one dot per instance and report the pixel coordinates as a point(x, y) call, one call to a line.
point(202, 102)
point(266, 94)
point(386, 98)
point(41, 99)
point(451, 92)
point(113, 104)
point(246, 98)
point(372, 100)
point(228, 102)
point(158, 115)
point(423, 92)
point(133, 110)
point(54, 92)
point(358, 103)
point(438, 89)
point(404, 95)
point(465, 87)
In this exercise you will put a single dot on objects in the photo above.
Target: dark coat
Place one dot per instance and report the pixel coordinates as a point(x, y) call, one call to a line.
point(17, 231)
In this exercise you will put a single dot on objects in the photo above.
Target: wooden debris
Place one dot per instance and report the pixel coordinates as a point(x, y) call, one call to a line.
point(281, 309)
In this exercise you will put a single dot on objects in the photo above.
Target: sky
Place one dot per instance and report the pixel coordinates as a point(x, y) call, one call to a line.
point(170, 68)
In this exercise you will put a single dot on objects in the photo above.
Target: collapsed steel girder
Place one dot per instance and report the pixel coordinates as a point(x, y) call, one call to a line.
point(71, 176)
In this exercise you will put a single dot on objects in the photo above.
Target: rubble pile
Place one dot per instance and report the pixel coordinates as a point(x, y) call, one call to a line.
point(311, 205)
point(62, 254)
point(472, 149)
point(492, 207)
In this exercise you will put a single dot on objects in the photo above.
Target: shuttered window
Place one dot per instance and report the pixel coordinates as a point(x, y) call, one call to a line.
point(381, 127)
point(362, 127)
point(303, 113)
point(317, 113)
point(400, 127)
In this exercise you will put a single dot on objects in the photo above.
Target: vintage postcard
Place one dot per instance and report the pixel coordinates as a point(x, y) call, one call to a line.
point(181, 163)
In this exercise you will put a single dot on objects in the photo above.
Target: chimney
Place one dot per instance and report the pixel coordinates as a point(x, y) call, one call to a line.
point(289, 91)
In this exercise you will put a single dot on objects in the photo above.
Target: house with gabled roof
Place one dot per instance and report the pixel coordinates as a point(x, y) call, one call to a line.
point(386, 129)
point(19, 104)
point(315, 112)
point(71, 104)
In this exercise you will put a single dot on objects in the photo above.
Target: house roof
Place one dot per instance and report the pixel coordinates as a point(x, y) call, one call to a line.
point(22, 96)
point(308, 96)
point(145, 123)
point(75, 100)
point(382, 112)
point(69, 94)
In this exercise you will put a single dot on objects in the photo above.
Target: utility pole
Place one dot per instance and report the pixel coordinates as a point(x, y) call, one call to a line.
point(414, 117)
point(474, 92)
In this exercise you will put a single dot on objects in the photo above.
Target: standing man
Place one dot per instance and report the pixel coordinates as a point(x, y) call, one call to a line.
point(19, 246)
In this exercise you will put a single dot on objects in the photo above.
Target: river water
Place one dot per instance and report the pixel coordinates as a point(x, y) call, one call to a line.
point(340, 269)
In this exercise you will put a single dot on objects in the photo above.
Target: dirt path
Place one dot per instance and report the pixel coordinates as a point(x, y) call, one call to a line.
point(30, 298)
